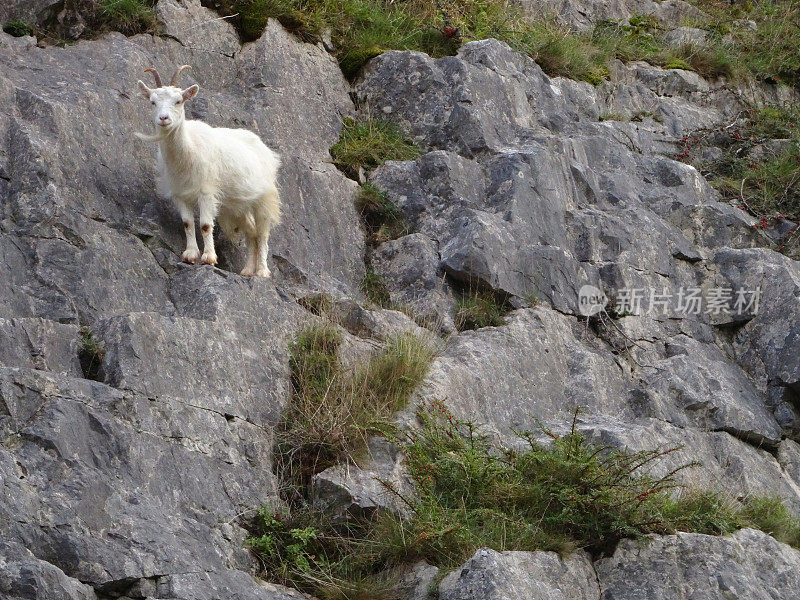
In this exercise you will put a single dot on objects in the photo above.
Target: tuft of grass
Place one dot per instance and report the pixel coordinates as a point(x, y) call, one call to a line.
point(382, 218)
point(334, 410)
point(17, 28)
point(370, 143)
point(771, 516)
point(478, 307)
point(374, 288)
point(771, 52)
point(91, 354)
point(126, 16)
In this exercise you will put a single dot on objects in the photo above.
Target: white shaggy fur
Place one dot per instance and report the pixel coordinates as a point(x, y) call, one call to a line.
point(229, 174)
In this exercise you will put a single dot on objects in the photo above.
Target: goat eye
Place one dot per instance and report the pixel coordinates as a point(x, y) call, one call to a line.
point(153, 102)
point(177, 101)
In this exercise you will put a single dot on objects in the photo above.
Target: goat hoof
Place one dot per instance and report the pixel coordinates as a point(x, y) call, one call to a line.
point(263, 273)
point(246, 273)
point(209, 259)
point(190, 256)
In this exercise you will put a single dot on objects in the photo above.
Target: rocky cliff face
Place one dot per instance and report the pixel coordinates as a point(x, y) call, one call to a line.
point(136, 484)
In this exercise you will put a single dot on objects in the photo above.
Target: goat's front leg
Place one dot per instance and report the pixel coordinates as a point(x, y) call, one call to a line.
point(192, 252)
point(208, 212)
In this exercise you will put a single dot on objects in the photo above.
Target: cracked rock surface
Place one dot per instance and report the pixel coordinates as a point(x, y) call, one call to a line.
point(137, 484)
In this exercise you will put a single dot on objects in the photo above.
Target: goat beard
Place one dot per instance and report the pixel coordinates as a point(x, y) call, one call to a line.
point(150, 138)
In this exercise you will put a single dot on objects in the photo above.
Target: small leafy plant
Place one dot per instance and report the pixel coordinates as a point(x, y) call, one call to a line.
point(91, 354)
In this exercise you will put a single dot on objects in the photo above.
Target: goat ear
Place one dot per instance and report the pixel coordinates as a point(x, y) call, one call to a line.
point(190, 92)
point(146, 91)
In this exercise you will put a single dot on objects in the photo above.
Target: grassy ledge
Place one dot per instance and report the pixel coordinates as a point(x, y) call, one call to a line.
point(561, 496)
point(368, 144)
point(362, 29)
point(129, 17)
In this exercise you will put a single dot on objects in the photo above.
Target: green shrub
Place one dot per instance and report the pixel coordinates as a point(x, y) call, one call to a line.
point(17, 28)
point(370, 143)
point(569, 494)
point(478, 307)
point(471, 493)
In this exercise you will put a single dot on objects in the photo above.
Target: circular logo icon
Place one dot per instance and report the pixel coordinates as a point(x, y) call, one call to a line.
point(591, 300)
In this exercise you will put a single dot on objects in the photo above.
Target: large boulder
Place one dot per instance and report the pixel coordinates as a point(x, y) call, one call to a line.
point(747, 565)
point(492, 575)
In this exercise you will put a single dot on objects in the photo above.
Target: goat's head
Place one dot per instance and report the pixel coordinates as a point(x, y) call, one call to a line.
point(168, 100)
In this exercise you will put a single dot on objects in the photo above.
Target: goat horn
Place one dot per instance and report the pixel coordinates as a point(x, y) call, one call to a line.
point(178, 74)
point(155, 76)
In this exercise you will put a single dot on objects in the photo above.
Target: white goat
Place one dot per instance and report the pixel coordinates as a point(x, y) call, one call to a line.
point(228, 173)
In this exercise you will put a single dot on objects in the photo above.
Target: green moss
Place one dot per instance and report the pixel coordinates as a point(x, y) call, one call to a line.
point(678, 63)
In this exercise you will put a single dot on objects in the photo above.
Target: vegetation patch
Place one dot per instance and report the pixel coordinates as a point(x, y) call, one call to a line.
point(362, 29)
point(91, 354)
point(374, 288)
point(478, 307)
point(561, 495)
point(368, 144)
point(383, 220)
point(755, 163)
point(334, 410)
point(17, 28)
point(770, 51)
point(126, 16)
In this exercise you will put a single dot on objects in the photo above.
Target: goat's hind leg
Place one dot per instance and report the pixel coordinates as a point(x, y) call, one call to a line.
point(266, 215)
point(250, 266)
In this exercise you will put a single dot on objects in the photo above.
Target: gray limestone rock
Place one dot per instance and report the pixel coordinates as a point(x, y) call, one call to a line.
point(749, 564)
point(491, 575)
